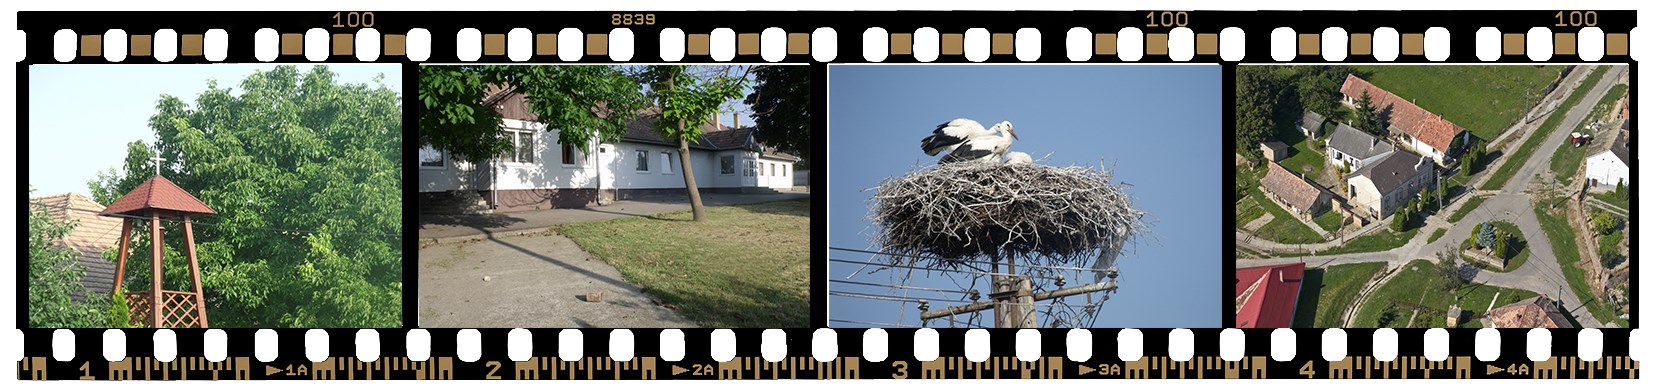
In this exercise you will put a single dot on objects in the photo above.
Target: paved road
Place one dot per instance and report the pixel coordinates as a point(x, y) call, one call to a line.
point(1541, 273)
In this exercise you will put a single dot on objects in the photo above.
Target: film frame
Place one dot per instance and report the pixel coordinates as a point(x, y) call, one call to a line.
point(1090, 37)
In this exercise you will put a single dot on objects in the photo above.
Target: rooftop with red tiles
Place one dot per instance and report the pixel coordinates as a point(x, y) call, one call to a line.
point(157, 193)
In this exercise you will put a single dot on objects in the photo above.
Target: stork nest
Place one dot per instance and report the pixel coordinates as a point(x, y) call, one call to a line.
point(953, 214)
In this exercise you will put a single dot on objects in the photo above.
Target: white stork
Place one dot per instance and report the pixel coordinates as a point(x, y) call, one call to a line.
point(985, 148)
point(1018, 158)
point(948, 136)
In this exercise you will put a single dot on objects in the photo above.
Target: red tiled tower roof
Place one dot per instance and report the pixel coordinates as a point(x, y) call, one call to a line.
point(157, 193)
point(1266, 297)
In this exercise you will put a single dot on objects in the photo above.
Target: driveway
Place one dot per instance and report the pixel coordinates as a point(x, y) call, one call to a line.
point(535, 281)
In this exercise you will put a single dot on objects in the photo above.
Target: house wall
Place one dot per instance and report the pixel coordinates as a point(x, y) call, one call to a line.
point(1338, 156)
point(1606, 169)
point(452, 175)
point(1366, 199)
point(1423, 149)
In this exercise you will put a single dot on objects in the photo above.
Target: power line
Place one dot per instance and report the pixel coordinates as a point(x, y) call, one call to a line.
point(931, 268)
point(884, 324)
point(196, 222)
point(898, 286)
point(1058, 267)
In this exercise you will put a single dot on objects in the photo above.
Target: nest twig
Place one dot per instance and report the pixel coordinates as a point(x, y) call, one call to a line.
point(953, 214)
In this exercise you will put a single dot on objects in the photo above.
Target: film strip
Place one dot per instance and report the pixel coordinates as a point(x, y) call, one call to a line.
point(820, 39)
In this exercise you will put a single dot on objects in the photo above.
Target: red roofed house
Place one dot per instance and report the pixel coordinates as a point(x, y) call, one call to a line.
point(1419, 130)
point(1267, 297)
point(1304, 199)
point(1536, 312)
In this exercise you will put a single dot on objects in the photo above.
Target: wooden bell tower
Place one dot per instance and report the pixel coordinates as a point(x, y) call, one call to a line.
point(158, 199)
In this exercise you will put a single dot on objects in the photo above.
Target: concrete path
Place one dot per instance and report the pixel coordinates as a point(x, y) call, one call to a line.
point(441, 229)
point(542, 281)
point(1514, 203)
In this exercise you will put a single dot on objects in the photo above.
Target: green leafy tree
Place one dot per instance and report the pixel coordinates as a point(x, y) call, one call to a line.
point(687, 99)
point(1257, 89)
point(1398, 222)
point(55, 275)
point(780, 102)
point(1447, 271)
point(1388, 316)
point(579, 102)
point(1501, 245)
point(306, 176)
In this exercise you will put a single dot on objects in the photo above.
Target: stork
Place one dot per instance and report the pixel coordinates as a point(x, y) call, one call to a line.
point(948, 136)
point(1018, 158)
point(985, 148)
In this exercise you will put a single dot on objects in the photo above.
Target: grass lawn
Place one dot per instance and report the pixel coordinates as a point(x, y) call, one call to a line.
point(1520, 245)
point(1623, 203)
point(1485, 99)
point(1469, 205)
point(1304, 159)
point(1561, 236)
point(746, 266)
point(1530, 146)
point(1330, 221)
point(1566, 161)
point(1326, 292)
point(1382, 240)
point(1285, 228)
point(1247, 208)
point(1419, 288)
point(1436, 235)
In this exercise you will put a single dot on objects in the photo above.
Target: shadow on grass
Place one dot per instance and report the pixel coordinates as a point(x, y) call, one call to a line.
point(790, 207)
point(1309, 298)
point(481, 222)
point(762, 306)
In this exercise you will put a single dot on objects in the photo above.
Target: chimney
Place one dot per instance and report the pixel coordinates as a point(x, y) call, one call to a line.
point(716, 121)
point(737, 120)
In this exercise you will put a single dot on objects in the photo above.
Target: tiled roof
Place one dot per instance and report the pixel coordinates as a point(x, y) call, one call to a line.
point(1292, 189)
point(92, 235)
point(1311, 120)
point(1357, 143)
point(1403, 114)
point(160, 194)
point(1266, 297)
point(1536, 312)
point(641, 129)
point(1389, 172)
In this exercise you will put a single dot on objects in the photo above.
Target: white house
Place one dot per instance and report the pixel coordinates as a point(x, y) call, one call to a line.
point(540, 173)
point(1414, 127)
point(1355, 148)
point(1379, 189)
point(1610, 164)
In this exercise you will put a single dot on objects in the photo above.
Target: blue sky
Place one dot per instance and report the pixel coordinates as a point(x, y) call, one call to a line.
point(1159, 127)
point(82, 116)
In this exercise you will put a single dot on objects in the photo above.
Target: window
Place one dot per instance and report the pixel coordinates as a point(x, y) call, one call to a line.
point(752, 166)
point(772, 169)
point(429, 157)
point(666, 162)
point(642, 161)
point(783, 170)
point(522, 150)
point(570, 156)
point(726, 165)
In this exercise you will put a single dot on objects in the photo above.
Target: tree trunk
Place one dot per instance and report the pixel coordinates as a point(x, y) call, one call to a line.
point(689, 178)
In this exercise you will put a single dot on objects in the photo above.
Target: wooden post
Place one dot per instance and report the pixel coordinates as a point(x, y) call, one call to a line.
point(155, 299)
point(195, 273)
point(120, 263)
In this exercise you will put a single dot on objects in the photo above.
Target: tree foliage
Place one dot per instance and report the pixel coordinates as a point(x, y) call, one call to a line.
point(780, 102)
point(686, 100)
point(582, 102)
point(120, 315)
point(1366, 116)
point(1485, 234)
point(306, 176)
point(54, 275)
point(1257, 90)
point(1603, 222)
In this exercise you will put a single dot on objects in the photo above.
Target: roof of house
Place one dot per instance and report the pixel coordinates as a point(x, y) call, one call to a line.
point(1389, 172)
point(1536, 312)
point(1357, 143)
point(157, 193)
point(92, 235)
point(1274, 145)
point(1265, 297)
point(1311, 119)
point(1621, 147)
point(1403, 114)
point(641, 129)
point(1291, 188)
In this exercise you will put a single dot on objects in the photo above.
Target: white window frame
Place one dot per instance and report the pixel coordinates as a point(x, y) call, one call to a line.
point(644, 161)
point(564, 151)
point(442, 158)
point(665, 162)
point(516, 147)
point(732, 167)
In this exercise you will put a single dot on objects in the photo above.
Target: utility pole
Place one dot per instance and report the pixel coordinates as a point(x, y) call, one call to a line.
point(1016, 300)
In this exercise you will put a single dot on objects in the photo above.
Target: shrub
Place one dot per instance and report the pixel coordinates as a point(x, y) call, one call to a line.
point(1603, 222)
point(1485, 235)
point(119, 313)
point(1501, 244)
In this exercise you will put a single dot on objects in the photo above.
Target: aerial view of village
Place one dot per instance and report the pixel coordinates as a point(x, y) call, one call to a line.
point(1432, 196)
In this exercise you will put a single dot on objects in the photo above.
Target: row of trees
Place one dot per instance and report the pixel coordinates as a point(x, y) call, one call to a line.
point(1269, 100)
point(596, 102)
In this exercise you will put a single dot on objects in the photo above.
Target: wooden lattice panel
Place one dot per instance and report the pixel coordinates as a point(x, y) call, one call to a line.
point(179, 311)
point(137, 307)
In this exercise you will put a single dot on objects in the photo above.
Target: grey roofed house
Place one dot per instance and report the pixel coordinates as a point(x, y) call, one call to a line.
point(1311, 123)
point(1390, 172)
point(1360, 147)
